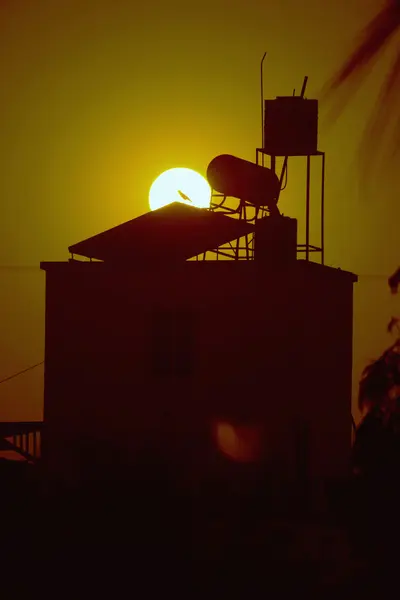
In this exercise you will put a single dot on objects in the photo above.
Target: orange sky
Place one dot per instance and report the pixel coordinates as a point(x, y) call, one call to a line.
point(100, 96)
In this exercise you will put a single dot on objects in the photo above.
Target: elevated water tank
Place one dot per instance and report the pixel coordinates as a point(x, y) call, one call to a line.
point(291, 126)
point(245, 180)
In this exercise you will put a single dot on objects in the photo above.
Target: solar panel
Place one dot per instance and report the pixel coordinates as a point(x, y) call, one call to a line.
point(175, 232)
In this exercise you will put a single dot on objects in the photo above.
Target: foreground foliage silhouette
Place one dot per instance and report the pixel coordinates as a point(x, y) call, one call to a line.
point(376, 457)
point(376, 451)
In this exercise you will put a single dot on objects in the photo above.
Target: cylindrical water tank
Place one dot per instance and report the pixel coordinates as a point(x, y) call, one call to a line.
point(242, 179)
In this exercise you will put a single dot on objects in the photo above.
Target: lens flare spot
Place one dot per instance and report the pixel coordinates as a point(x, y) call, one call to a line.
point(241, 443)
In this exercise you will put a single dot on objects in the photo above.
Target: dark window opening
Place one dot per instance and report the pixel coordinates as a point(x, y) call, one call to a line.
point(172, 344)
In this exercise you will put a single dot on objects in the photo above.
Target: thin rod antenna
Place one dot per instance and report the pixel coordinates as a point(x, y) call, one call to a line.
point(262, 100)
point(303, 89)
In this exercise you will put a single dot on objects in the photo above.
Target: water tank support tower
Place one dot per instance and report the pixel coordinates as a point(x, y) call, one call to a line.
point(290, 129)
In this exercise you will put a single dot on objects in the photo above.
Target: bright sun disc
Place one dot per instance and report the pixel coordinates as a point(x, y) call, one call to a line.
point(180, 185)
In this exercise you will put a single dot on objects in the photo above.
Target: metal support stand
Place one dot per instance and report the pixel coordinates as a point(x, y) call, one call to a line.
point(236, 250)
point(307, 248)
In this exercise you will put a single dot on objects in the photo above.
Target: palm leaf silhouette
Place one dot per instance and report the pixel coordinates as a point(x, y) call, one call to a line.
point(393, 323)
point(394, 281)
point(348, 79)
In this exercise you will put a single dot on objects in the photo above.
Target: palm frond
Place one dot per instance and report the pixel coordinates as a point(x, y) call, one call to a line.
point(375, 36)
point(394, 281)
point(345, 83)
point(394, 322)
point(386, 110)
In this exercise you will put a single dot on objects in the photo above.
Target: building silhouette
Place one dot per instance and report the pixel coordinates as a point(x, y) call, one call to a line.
point(149, 353)
point(205, 342)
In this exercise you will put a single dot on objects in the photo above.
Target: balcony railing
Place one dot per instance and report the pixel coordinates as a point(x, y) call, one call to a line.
point(22, 437)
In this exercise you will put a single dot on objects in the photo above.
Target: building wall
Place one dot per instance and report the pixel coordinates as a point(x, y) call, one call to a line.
point(160, 359)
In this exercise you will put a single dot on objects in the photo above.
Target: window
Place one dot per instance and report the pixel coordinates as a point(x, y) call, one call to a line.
point(172, 343)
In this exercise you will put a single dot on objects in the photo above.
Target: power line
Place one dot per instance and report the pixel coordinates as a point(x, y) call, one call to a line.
point(21, 372)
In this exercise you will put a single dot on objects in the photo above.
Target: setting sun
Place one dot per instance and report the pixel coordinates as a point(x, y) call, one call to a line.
point(180, 185)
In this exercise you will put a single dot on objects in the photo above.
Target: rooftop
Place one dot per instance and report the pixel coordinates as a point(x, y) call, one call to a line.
point(300, 267)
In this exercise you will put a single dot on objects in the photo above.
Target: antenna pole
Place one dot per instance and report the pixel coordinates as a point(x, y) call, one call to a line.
point(303, 89)
point(262, 100)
